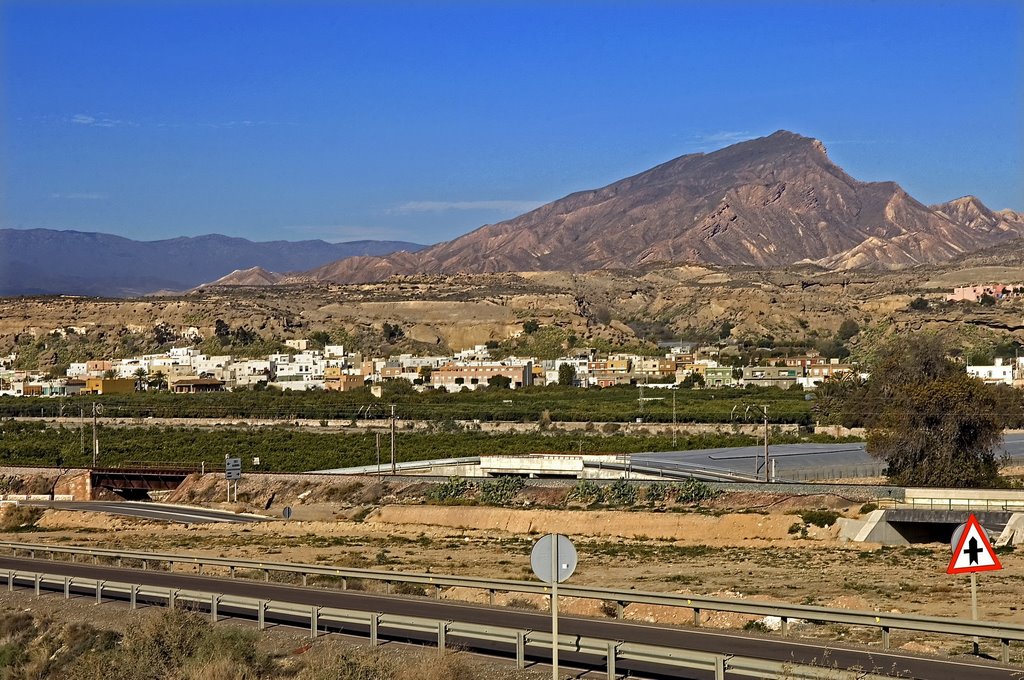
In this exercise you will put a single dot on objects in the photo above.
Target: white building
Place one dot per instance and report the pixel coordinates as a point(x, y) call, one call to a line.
point(996, 374)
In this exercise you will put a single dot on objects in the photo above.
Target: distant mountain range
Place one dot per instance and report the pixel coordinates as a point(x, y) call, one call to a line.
point(44, 261)
point(769, 202)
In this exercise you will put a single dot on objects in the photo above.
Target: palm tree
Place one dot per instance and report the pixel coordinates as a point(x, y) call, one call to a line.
point(158, 380)
point(140, 379)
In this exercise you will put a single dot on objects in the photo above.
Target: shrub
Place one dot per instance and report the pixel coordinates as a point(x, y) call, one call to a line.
point(820, 518)
point(454, 489)
point(585, 491)
point(621, 493)
point(691, 491)
point(655, 493)
point(868, 507)
point(501, 491)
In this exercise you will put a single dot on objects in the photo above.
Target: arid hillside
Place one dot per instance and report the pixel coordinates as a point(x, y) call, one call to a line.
point(602, 308)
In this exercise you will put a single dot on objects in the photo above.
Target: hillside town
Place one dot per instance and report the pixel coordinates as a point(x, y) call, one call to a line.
point(185, 370)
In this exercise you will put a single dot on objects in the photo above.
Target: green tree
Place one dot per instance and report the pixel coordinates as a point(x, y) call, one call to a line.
point(530, 327)
point(932, 423)
point(919, 304)
point(987, 300)
point(847, 330)
point(319, 339)
point(567, 375)
point(502, 382)
point(140, 379)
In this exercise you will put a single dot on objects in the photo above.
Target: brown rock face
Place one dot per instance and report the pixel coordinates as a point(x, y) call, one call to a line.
point(768, 202)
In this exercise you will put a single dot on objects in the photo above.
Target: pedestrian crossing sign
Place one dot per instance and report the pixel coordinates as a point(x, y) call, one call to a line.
point(973, 551)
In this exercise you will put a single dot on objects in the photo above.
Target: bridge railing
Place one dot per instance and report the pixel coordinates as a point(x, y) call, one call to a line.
point(885, 622)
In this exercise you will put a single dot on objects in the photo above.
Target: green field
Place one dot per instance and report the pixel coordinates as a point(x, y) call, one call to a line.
point(559, 404)
point(283, 449)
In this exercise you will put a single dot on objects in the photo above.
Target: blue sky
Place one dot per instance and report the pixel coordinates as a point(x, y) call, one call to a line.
point(420, 121)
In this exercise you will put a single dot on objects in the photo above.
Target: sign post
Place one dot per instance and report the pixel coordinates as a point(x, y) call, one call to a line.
point(972, 552)
point(232, 473)
point(554, 560)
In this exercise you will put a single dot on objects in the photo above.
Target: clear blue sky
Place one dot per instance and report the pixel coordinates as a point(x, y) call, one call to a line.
point(345, 120)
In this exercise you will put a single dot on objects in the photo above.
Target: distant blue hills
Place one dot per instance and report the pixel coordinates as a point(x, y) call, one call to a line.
point(52, 262)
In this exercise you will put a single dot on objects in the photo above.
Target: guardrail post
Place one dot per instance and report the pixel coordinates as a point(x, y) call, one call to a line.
point(620, 610)
point(344, 583)
point(1005, 655)
point(261, 614)
point(199, 568)
point(172, 595)
point(442, 635)
point(696, 617)
point(67, 588)
point(885, 637)
point(314, 621)
point(10, 580)
point(785, 626)
point(266, 574)
point(119, 560)
point(134, 596)
point(304, 580)
point(521, 649)
point(610, 657)
point(145, 565)
point(39, 577)
point(387, 587)
point(214, 601)
point(99, 591)
point(437, 592)
point(719, 667)
point(490, 597)
point(374, 624)
point(231, 572)
point(32, 554)
point(95, 559)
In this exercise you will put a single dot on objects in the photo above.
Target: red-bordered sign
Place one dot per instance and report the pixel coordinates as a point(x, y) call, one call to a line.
point(973, 552)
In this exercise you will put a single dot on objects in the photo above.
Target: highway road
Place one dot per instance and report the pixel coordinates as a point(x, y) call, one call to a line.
point(183, 514)
point(793, 461)
point(778, 649)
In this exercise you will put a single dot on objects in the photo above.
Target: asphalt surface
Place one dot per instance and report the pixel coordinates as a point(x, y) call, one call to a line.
point(778, 649)
point(793, 461)
point(168, 513)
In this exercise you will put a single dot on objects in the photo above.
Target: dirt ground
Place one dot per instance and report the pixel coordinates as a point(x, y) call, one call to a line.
point(722, 548)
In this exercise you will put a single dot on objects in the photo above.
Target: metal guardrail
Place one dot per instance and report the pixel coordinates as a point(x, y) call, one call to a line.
point(788, 613)
point(320, 618)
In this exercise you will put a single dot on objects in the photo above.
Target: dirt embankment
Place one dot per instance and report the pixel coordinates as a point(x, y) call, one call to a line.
point(728, 529)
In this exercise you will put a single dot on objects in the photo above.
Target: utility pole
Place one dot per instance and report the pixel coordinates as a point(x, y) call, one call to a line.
point(673, 417)
point(767, 465)
point(394, 469)
point(378, 454)
point(95, 438)
point(81, 428)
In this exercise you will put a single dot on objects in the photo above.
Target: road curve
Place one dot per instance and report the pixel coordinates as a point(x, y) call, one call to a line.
point(183, 514)
point(777, 649)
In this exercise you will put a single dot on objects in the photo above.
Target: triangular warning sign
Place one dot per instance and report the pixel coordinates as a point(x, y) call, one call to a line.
point(973, 552)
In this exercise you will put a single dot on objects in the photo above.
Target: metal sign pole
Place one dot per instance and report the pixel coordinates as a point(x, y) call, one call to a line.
point(974, 606)
point(554, 608)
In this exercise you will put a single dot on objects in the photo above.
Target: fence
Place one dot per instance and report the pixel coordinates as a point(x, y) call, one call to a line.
point(885, 622)
point(377, 625)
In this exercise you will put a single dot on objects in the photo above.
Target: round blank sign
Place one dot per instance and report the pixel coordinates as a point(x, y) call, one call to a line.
point(565, 552)
point(287, 513)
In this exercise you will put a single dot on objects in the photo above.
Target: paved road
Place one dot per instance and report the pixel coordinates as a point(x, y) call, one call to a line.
point(778, 649)
point(170, 513)
point(793, 461)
